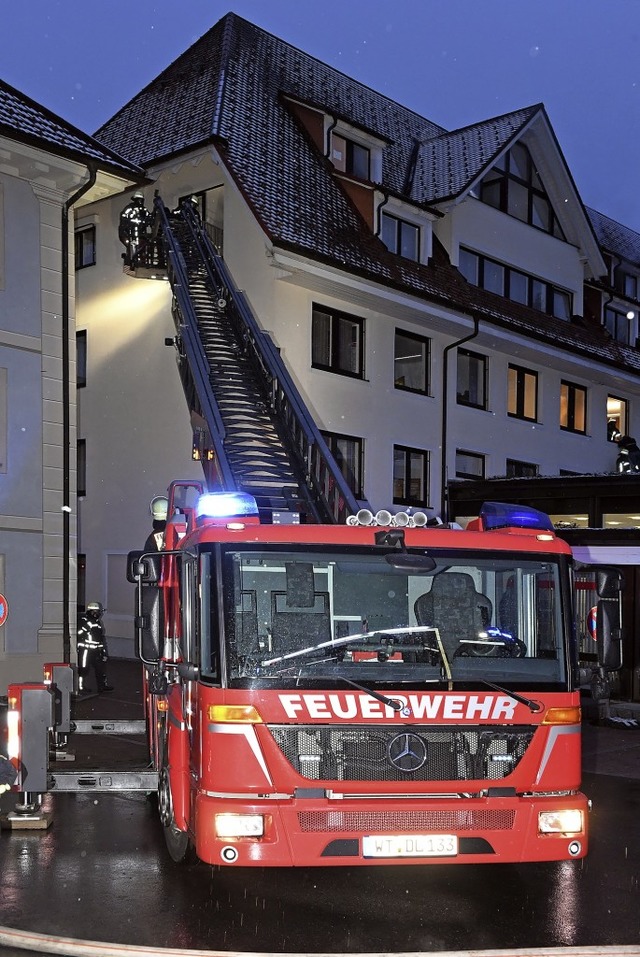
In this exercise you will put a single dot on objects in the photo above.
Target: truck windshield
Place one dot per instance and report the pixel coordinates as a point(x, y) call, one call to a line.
point(358, 615)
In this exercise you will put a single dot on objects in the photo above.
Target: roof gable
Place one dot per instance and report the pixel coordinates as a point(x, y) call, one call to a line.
point(24, 120)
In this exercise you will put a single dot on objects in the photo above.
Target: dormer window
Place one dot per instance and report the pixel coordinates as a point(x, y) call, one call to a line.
point(513, 185)
point(400, 236)
point(350, 157)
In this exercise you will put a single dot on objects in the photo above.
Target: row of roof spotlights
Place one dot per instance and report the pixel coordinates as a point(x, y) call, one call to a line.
point(400, 520)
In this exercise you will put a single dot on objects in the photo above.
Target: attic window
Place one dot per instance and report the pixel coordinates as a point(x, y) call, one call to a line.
point(350, 157)
point(513, 185)
point(400, 236)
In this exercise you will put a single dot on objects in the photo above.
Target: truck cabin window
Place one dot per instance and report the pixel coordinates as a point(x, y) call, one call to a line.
point(304, 615)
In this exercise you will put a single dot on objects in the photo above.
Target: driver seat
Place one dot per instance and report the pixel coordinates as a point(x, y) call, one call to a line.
point(455, 608)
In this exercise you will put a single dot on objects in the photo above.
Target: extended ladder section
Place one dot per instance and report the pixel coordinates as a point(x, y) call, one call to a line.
point(259, 434)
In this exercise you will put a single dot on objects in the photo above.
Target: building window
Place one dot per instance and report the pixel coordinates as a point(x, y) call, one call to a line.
point(350, 157)
point(472, 379)
point(617, 417)
point(85, 247)
point(81, 358)
point(469, 465)
point(573, 407)
point(400, 236)
point(517, 469)
point(410, 476)
point(348, 453)
point(522, 393)
point(514, 186)
point(617, 324)
point(81, 467)
point(626, 283)
point(515, 285)
point(337, 342)
point(411, 362)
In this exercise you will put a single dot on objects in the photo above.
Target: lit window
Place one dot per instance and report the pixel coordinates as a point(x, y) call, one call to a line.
point(85, 247)
point(617, 416)
point(522, 393)
point(411, 362)
point(472, 379)
point(337, 342)
point(348, 453)
point(573, 407)
point(410, 476)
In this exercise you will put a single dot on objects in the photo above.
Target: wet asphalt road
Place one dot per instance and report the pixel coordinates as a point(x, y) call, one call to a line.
point(101, 872)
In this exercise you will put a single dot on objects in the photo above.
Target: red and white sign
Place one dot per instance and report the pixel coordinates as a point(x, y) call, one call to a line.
point(4, 610)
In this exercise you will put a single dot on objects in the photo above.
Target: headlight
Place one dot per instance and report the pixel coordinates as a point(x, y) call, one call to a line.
point(239, 825)
point(568, 821)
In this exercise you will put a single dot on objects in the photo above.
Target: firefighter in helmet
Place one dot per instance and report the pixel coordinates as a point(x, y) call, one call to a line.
point(92, 648)
point(134, 229)
point(158, 507)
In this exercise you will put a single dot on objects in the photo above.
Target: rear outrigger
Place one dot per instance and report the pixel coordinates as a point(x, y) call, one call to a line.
point(381, 692)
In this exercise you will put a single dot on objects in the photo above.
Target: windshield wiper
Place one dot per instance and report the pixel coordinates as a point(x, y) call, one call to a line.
point(362, 636)
point(390, 702)
point(533, 706)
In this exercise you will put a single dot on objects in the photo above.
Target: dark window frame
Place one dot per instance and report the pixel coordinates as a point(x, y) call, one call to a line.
point(477, 457)
point(353, 153)
point(522, 376)
point(353, 477)
point(81, 358)
point(399, 224)
point(615, 320)
point(572, 412)
point(410, 455)
point(515, 185)
point(84, 251)
point(483, 363)
point(536, 288)
point(81, 468)
point(336, 317)
point(420, 341)
point(516, 468)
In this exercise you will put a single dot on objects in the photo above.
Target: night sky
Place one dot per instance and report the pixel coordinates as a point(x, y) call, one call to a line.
point(453, 61)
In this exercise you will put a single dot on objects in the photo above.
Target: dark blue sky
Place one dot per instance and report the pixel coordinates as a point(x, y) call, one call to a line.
point(454, 61)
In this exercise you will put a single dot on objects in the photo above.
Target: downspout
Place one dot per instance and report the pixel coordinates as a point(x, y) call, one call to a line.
point(444, 510)
point(66, 423)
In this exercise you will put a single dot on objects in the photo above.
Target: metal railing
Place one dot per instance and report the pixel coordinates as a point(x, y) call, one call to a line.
point(329, 490)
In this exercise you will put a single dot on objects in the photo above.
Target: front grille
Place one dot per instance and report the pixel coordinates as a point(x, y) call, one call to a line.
point(406, 822)
point(402, 753)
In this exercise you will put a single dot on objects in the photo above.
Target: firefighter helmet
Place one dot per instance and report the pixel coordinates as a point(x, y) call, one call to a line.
point(95, 608)
point(158, 507)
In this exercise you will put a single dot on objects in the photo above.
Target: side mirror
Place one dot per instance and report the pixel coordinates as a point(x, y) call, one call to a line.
point(609, 584)
point(143, 568)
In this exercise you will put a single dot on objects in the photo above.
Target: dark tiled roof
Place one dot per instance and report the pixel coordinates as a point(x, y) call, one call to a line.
point(23, 119)
point(615, 238)
point(448, 163)
point(231, 88)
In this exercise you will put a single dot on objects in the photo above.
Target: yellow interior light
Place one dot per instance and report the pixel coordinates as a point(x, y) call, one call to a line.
point(234, 713)
point(162, 704)
point(570, 715)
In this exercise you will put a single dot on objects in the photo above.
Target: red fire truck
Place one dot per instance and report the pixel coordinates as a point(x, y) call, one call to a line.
point(382, 692)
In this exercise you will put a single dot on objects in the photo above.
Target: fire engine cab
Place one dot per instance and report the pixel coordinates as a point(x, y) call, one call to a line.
point(388, 691)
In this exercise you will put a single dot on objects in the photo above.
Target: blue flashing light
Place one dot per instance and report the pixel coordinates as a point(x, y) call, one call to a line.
point(498, 515)
point(226, 505)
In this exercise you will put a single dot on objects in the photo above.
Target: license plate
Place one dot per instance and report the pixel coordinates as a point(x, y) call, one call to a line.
point(410, 845)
